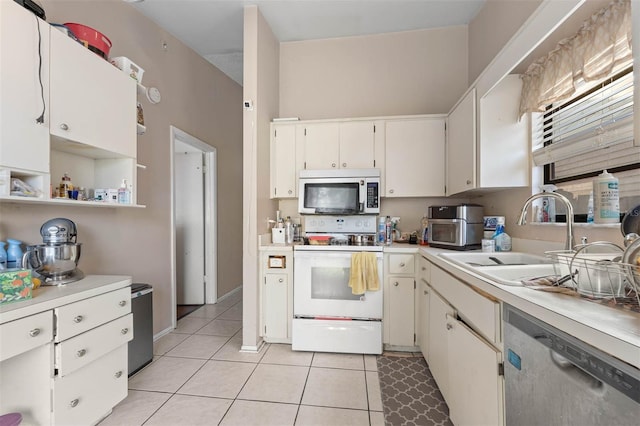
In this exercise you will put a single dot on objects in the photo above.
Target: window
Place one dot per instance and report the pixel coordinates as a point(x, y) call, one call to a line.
point(589, 133)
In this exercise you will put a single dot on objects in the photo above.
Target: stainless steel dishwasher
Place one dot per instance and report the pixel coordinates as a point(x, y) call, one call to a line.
point(552, 378)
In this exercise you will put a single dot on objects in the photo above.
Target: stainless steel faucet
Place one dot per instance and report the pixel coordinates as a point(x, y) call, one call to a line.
point(570, 243)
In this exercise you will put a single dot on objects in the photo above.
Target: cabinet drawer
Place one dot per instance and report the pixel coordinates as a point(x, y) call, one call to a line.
point(424, 269)
point(401, 263)
point(482, 314)
point(84, 315)
point(81, 350)
point(25, 334)
point(84, 397)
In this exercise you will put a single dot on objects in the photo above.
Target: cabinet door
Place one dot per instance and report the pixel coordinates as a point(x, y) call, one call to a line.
point(422, 318)
point(502, 131)
point(321, 146)
point(438, 346)
point(461, 145)
point(275, 306)
point(414, 155)
point(474, 383)
point(24, 143)
point(357, 145)
point(401, 311)
point(283, 161)
point(92, 102)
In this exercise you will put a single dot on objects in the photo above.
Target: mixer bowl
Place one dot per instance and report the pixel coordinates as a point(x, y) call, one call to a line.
point(53, 261)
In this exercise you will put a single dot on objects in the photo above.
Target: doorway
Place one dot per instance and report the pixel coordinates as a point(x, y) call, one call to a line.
point(194, 207)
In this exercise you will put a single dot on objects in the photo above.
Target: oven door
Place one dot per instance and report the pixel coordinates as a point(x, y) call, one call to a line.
point(321, 287)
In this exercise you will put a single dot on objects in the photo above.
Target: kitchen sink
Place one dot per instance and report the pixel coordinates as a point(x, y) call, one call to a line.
point(478, 259)
point(505, 268)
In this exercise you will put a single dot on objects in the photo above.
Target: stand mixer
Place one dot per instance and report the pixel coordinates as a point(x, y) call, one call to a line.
point(57, 259)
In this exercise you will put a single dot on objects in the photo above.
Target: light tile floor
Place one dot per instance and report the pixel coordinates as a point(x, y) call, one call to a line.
point(199, 377)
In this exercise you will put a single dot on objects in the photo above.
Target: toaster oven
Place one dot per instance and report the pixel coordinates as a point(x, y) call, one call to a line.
point(459, 227)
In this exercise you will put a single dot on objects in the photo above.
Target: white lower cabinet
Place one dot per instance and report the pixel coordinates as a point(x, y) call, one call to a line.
point(26, 370)
point(399, 300)
point(72, 372)
point(438, 360)
point(474, 383)
point(88, 394)
point(276, 295)
point(463, 350)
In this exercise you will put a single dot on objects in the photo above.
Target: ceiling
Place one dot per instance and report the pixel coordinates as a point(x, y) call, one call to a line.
point(214, 28)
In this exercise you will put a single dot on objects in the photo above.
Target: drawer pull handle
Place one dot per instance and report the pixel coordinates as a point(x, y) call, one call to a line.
point(402, 264)
point(81, 353)
point(396, 284)
point(74, 403)
point(290, 192)
point(124, 330)
point(122, 303)
point(64, 126)
point(424, 269)
point(118, 374)
point(426, 292)
point(280, 280)
point(449, 326)
point(344, 164)
point(34, 332)
point(78, 319)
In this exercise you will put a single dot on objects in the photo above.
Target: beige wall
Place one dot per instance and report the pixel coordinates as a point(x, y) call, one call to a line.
point(261, 52)
point(413, 72)
point(197, 98)
point(493, 26)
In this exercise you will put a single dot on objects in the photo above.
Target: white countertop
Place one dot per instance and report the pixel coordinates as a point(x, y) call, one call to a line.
point(49, 297)
point(612, 330)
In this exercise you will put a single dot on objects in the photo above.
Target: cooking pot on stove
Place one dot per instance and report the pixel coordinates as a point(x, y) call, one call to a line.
point(361, 239)
point(52, 261)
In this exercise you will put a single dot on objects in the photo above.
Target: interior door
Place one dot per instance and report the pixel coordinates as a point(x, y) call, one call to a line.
point(190, 246)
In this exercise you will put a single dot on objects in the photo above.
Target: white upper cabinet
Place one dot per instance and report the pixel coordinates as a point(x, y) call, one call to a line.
point(504, 141)
point(92, 102)
point(283, 161)
point(322, 146)
point(344, 145)
point(24, 89)
point(461, 145)
point(487, 144)
point(414, 157)
point(357, 145)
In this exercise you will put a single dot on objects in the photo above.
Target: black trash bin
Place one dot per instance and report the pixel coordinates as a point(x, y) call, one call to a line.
point(141, 346)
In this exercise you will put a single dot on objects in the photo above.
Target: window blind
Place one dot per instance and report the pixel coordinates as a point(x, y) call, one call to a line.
point(579, 130)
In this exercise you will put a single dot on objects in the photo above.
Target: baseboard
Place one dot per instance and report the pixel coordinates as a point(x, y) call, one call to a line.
point(252, 348)
point(231, 293)
point(162, 333)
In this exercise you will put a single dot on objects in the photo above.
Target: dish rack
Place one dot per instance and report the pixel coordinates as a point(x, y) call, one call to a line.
point(596, 271)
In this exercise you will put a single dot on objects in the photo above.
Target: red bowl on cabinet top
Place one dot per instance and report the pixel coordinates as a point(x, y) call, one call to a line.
point(94, 40)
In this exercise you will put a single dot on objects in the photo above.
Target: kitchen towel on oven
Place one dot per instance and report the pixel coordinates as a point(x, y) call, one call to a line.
point(364, 273)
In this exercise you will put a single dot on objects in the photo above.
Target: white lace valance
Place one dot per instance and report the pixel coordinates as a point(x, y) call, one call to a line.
point(602, 42)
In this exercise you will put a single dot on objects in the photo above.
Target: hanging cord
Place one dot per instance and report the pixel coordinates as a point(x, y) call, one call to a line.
point(44, 106)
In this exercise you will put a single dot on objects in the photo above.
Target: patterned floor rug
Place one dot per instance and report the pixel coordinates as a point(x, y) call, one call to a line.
point(410, 396)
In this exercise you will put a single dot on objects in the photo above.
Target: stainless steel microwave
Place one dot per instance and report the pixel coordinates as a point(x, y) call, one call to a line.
point(339, 191)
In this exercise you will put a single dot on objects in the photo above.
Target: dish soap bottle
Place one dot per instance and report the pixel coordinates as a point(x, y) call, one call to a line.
point(502, 239)
point(606, 198)
point(124, 195)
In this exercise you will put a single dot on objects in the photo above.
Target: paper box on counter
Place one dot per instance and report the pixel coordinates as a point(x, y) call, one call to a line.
point(277, 235)
point(15, 285)
point(106, 195)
